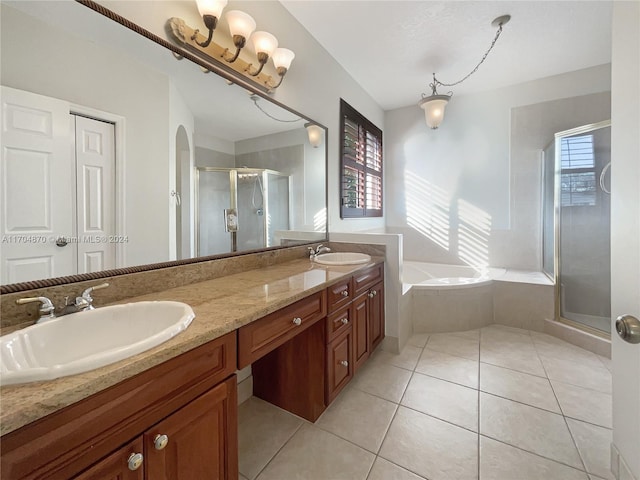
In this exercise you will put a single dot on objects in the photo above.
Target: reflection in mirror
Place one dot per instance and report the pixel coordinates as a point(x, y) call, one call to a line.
point(116, 154)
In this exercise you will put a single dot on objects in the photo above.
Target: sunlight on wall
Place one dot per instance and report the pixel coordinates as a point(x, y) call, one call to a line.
point(474, 230)
point(427, 208)
point(320, 221)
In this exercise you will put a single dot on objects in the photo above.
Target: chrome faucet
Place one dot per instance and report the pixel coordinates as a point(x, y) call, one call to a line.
point(85, 301)
point(82, 303)
point(47, 310)
point(318, 250)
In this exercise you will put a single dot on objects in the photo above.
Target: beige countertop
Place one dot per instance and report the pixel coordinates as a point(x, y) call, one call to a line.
point(221, 305)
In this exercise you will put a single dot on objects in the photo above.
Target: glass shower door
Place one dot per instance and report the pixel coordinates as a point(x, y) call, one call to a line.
point(583, 159)
point(213, 195)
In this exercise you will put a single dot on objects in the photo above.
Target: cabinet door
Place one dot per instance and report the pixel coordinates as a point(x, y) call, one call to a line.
point(116, 465)
point(339, 364)
point(360, 331)
point(201, 439)
point(376, 315)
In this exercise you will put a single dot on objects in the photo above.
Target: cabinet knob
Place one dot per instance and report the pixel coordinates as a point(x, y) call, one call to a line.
point(297, 321)
point(345, 320)
point(135, 461)
point(344, 363)
point(160, 441)
point(371, 295)
point(344, 293)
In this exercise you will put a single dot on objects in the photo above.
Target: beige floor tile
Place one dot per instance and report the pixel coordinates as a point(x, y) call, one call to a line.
point(498, 334)
point(418, 339)
point(586, 376)
point(262, 430)
point(528, 428)
point(445, 400)
point(430, 447)
point(313, 453)
point(449, 367)
point(407, 359)
point(518, 386)
point(454, 345)
point(594, 446)
point(565, 351)
point(474, 334)
point(499, 461)
point(385, 470)
point(605, 361)
point(242, 477)
point(582, 404)
point(358, 417)
point(504, 328)
point(382, 380)
point(524, 360)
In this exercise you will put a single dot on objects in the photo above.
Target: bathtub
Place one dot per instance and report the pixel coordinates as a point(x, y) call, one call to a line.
point(436, 276)
point(448, 298)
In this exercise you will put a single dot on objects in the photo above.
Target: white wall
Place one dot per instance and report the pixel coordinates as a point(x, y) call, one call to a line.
point(44, 60)
point(314, 85)
point(469, 159)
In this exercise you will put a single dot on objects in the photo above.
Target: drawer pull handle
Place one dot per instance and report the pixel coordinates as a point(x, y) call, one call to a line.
point(344, 293)
point(135, 461)
point(160, 441)
point(344, 363)
point(297, 321)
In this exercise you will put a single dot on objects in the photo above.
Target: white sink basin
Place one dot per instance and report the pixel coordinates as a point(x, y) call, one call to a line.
point(342, 258)
point(83, 341)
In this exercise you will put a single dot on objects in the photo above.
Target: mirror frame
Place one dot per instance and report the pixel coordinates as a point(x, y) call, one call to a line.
point(179, 53)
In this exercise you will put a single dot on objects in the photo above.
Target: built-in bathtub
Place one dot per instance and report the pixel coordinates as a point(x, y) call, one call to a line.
point(435, 276)
point(446, 298)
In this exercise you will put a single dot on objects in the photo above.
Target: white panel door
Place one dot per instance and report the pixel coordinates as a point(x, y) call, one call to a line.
point(37, 187)
point(625, 234)
point(95, 166)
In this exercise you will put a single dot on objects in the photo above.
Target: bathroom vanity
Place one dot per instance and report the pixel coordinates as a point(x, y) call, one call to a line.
point(171, 412)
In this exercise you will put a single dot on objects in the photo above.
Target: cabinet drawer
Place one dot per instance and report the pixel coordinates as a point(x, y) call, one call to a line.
point(338, 322)
point(339, 295)
point(366, 278)
point(262, 336)
point(339, 364)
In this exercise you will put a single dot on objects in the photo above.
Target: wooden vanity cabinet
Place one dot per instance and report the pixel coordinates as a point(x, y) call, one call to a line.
point(368, 314)
point(192, 394)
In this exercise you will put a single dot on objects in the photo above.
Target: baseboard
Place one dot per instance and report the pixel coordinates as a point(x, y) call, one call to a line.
point(575, 336)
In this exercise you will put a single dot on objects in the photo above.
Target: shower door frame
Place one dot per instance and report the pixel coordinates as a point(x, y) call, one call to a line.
point(557, 176)
point(233, 200)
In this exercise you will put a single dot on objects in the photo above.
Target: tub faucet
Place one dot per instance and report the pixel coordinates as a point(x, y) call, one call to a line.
point(318, 250)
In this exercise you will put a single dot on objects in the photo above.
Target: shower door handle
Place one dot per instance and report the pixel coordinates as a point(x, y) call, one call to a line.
point(628, 327)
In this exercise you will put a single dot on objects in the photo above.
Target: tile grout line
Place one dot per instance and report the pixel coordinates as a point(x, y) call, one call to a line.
point(279, 450)
point(575, 444)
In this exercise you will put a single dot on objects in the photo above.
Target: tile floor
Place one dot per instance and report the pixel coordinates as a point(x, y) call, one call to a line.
point(496, 403)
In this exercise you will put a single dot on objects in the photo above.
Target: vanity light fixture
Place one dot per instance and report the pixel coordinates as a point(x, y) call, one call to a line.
point(315, 134)
point(241, 27)
point(435, 104)
point(210, 10)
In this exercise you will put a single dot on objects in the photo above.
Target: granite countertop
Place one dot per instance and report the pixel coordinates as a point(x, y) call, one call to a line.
point(221, 305)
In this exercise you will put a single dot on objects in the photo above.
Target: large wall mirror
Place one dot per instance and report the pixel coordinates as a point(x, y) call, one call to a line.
point(115, 153)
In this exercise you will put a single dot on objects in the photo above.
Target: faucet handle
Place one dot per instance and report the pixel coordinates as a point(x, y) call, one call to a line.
point(85, 301)
point(87, 293)
point(46, 307)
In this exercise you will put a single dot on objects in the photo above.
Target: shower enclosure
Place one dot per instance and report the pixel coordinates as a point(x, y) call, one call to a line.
point(239, 208)
point(576, 225)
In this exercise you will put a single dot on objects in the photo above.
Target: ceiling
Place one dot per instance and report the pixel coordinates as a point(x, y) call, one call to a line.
point(391, 48)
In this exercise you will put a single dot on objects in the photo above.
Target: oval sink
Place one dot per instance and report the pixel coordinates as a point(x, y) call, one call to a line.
point(342, 258)
point(84, 341)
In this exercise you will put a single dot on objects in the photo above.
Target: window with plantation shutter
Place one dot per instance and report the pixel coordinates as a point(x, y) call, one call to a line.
point(361, 165)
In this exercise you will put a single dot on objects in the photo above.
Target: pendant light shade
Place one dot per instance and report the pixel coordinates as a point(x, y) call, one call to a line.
point(315, 134)
point(434, 107)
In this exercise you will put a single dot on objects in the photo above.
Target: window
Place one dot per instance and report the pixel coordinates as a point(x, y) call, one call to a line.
point(578, 175)
point(361, 165)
